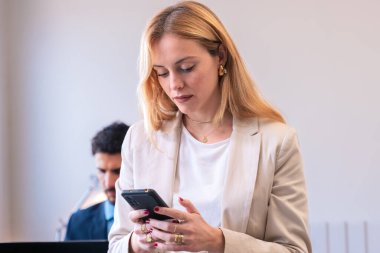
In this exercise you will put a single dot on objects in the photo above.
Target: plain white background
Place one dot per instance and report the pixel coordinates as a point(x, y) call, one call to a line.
point(70, 68)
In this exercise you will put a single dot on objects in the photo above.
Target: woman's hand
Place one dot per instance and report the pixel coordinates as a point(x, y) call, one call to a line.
point(190, 233)
point(141, 238)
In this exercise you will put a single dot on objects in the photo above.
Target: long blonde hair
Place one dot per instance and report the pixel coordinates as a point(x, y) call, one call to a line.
point(193, 20)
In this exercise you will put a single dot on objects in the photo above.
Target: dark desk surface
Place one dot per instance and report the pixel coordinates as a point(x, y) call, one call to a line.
point(55, 247)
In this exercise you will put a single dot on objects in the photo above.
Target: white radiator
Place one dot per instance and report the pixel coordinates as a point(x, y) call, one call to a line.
point(345, 237)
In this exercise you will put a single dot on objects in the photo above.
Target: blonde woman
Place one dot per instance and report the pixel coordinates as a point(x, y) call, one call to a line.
point(220, 156)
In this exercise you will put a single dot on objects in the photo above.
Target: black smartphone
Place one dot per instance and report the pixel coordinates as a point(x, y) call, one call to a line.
point(145, 199)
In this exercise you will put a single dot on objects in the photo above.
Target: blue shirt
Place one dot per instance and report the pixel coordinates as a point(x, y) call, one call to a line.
point(108, 213)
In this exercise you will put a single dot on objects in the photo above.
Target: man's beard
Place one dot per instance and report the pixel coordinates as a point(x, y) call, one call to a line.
point(112, 189)
point(111, 194)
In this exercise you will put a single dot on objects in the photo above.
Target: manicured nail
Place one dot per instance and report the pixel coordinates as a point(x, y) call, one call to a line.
point(156, 209)
point(146, 212)
point(147, 221)
point(155, 244)
point(180, 199)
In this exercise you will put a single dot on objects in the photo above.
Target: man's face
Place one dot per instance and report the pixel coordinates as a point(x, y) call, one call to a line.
point(108, 166)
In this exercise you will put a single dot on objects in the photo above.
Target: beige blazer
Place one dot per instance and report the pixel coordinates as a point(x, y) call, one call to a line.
point(264, 203)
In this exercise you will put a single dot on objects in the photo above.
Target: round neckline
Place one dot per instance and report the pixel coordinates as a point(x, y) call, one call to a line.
point(192, 138)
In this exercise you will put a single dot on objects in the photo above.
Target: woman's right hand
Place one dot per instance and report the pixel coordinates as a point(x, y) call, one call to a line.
point(141, 239)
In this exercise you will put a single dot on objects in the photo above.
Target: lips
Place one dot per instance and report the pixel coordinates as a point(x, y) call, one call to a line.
point(182, 98)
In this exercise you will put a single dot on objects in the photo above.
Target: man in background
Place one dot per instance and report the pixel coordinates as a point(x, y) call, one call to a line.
point(94, 222)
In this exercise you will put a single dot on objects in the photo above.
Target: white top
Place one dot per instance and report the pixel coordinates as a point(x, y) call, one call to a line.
point(200, 176)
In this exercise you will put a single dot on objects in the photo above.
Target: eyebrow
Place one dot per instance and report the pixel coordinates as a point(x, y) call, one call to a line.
point(177, 62)
point(113, 169)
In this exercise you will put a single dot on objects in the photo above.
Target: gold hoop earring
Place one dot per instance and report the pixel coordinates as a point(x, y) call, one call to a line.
point(222, 71)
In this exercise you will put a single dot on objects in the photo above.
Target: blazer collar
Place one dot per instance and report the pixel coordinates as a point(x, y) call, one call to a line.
point(246, 126)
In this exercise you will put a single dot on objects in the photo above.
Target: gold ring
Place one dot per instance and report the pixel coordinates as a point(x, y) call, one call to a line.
point(179, 239)
point(148, 237)
point(143, 228)
point(175, 228)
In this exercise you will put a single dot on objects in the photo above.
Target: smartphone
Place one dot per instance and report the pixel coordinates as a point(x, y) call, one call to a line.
point(145, 199)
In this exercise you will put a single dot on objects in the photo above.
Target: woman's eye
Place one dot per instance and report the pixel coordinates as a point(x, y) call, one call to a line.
point(186, 70)
point(163, 74)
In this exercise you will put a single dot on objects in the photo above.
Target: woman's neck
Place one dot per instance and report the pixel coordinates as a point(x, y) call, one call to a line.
point(197, 121)
point(207, 131)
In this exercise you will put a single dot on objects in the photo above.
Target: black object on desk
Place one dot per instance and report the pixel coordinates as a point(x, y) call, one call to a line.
point(55, 247)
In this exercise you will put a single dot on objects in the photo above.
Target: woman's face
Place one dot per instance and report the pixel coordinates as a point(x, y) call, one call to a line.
point(188, 74)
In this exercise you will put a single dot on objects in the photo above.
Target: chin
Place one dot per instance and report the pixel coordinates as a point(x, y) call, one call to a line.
point(183, 110)
point(111, 199)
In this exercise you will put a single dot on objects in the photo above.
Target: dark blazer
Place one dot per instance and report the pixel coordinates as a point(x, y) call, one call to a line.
point(88, 224)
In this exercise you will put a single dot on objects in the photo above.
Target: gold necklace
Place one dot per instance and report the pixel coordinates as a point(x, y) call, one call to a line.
point(205, 137)
point(197, 121)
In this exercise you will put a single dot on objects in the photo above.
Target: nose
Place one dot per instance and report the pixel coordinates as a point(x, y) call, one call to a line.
point(176, 83)
point(109, 179)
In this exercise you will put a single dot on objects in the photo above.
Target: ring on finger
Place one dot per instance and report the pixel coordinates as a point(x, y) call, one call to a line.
point(148, 237)
point(179, 239)
point(143, 228)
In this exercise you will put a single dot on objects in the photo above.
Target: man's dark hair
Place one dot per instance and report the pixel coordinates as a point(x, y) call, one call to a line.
point(109, 139)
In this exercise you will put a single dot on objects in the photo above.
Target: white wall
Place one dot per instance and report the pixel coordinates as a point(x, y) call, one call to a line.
point(74, 70)
point(5, 233)
point(318, 61)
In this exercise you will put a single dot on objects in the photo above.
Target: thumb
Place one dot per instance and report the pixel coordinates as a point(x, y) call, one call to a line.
point(190, 208)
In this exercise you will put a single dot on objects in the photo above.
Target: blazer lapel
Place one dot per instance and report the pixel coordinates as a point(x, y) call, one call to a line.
point(160, 161)
point(171, 140)
point(241, 174)
point(99, 226)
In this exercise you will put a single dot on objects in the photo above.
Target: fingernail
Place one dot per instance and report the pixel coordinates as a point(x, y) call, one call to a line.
point(147, 221)
point(156, 209)
point(155, 244)
point(180, 199)
point(175, 221)
point(146, 212)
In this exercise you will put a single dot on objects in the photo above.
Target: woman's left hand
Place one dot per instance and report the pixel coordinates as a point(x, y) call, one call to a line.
point(191, 233)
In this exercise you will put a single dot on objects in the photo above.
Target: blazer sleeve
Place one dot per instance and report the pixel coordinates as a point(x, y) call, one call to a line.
point(287, 225)
point(122, 227)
